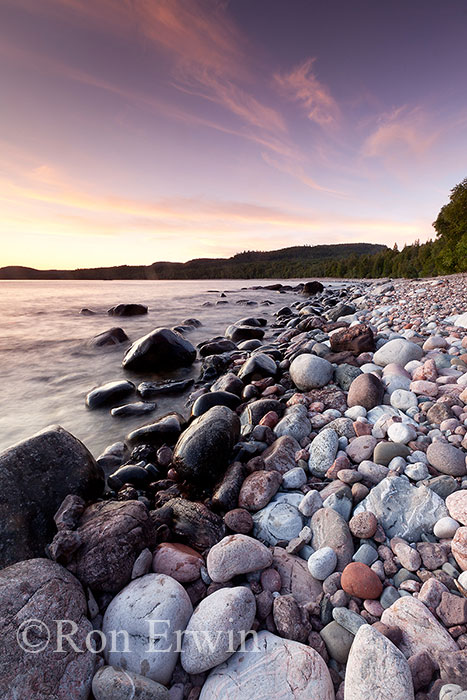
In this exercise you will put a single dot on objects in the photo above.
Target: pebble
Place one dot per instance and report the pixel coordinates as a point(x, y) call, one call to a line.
point(446, 458)
point(363, 525)
point(111, 683)
point(360, 581)
point(322, 563)
point(323, 451)
point(457, 506)
point(294, 479)
point(236, 554)
point(310, 372)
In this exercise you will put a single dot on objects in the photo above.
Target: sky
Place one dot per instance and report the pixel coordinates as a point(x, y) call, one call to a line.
point(134, 131)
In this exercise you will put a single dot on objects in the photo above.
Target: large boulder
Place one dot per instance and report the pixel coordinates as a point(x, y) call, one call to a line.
point(203, 450)
point(268, 666)
point(310, 372)
point(35, 477)
point(35, 595)
point(152, 611)
point(310, 288)
point(402, 509)
point(107, 541)
point(128, 310)
point(161, 349)
point(356, 339)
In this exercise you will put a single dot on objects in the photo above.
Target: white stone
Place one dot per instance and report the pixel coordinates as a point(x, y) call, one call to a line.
point(154, 597)
point(399, 351)
point(236, 554)
point(294, 479)
point(401, 433)
point(310, 503)
point(322, 563)
point(446, 528)
point(355, 412)
point(323, 451)
point(403, 400)
point(279, 520)
point(310, 372)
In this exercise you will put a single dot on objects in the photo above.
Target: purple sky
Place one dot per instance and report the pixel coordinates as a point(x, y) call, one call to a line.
point(142, 130)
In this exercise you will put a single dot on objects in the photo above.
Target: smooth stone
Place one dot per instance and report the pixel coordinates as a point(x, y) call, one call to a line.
point(172, 386)
point(295, 578)
point(359, 580)
point(349, 620)
point(161, 349)
point(203, 450)
point(376, 669)
point(280, 456)
point(341, 503)
point(323, 452)
point(114, 336)
point(384, 452)
point(138, 408)
point(128, 310)
point(261, 364)
point(366, 390)
point(401, 433)
point(403, 399)
point(402, 509)
point(459, 547)
point(446, 458)
point(443, 485)
point(322, 563)
point(178, 561)
point(329, 529)
point(294, 423)
point(258, 489)
point(236, 554)
point(446, 528)
point(228, 382)
point(310, 503)
point(132, 610)
point(270, 667)
point(388, 597)
point(361, 448)
point(421, 631)
point(338, 641)
point(456, 504)
point(164, 430)
point(109, 393)
point(399, 351)
point(366, 554)
point(216, 629)
point(310, 372)
point(111, 683)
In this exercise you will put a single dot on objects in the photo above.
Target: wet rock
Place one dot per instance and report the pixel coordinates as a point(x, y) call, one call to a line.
point(133, 409)
point(149, 606)
point(43, 591)
point(402, 509)
point(226, 493)
point(202, 452)
point(159, 350)
point(310, 372)
point(128, 310)
point(133, 474)
point(214, 398)
point(299, 672)
point(228, 382)
point(236, 554)
point(195, 524)
point(112, 535)
point(178, 561)
point(226, 615)
point(256, 410)
point(376, 669)
point(37, 474)
point(312, 288)
point(259, 364)
point(172, 386)
point(114, 336)
point(164, 430)
point(238, 333)
point(111, 683)
point(280, 456)
point(216, 347)
point(356, 339)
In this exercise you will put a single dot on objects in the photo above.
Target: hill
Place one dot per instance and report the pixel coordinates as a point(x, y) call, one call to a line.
point(297, 261)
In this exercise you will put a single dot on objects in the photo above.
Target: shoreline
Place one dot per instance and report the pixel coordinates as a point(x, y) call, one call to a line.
point(317, 496)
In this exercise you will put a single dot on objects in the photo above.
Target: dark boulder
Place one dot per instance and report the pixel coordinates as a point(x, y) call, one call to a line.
point(216, 346)
point(203, 450)
point(356, 339)
point(35, 477)
point(128, 310)
point(259, 364)
point(237, 333)
point(225, 494)
point(31, 668)
point(228, 382)
point(256, 410)
point(160, 350)
point(310, 288)
point(114, 336)
point(172, 386)
point(109, 393)
point(195, 524)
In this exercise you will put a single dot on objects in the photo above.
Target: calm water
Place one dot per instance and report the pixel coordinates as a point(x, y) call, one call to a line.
point(47, 365)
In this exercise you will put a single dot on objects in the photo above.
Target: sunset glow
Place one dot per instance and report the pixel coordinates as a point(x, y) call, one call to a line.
point(145, 130)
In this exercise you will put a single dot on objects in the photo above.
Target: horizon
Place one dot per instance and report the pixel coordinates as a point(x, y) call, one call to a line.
point(180, 131)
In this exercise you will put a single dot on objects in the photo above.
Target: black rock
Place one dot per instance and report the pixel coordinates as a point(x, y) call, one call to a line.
point(128, 310)
point(133, 409)
point(133, 474)
point(213, 366)
point(202, 452)
point(114, 336)
point(238, 333)
point(228, 382)
point(260, 364)
point(214, 398)
point(195, 524)
point(162, 349)
point(314, 287)
point(192, 322)
point(109, 393)
point(163, 431)
point(225, 495)
point(35, 477)
point(216, 346)
point(253, 413)
point(172, 386)
point(87, 312)
point(250, 344)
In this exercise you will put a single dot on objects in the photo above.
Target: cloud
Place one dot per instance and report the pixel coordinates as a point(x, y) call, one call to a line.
point(404, 131)
point(302, 85)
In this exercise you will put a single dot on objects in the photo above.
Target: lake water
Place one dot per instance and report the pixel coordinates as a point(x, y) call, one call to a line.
point(47, 365)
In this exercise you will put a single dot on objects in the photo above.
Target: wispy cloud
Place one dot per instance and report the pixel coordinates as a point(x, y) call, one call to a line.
point(302, 85)
point(403, 131)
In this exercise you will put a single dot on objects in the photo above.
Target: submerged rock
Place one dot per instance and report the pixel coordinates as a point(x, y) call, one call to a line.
point(109, 393)
point(128, 310)
point(114, 336)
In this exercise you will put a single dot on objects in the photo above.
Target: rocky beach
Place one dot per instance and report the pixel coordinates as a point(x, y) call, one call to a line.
point(298, 527)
